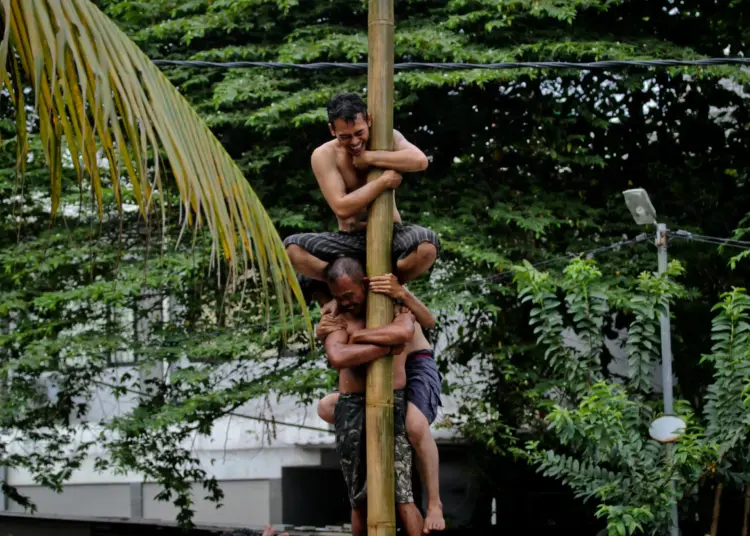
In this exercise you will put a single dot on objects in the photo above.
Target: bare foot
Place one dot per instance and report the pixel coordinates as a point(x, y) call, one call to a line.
point(434, 518)
point(268, 531)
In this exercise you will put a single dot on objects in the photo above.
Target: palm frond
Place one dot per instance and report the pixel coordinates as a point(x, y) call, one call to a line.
point(93, 87)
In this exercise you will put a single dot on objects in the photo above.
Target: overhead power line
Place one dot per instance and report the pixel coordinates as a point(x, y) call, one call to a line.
point(263, 419)
point(493, 279)
point(730, 242)
point(414, 66)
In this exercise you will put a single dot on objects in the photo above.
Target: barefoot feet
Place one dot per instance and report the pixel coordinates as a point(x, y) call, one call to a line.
point(434, 518)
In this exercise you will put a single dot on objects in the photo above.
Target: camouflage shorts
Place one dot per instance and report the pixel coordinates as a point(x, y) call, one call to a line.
point(349, 419)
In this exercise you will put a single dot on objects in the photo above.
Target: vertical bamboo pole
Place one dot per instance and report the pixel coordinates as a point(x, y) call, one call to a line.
point(381, 504)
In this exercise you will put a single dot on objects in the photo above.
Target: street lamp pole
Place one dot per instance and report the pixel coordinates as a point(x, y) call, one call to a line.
point(666, 334)
point(644, 213)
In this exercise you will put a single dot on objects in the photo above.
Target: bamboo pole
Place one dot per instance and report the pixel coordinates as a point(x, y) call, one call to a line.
point(381, 503)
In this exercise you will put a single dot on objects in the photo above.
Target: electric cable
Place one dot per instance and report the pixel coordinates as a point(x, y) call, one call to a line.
point(448, 66)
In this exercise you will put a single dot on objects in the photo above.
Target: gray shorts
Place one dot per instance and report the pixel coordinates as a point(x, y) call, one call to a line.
point(330, 246)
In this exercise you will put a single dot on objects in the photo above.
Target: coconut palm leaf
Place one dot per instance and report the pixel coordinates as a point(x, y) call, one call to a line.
point(95, 89)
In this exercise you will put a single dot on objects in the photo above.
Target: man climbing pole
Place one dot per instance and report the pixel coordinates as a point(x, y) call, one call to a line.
point(349, 347)
point(341, 167)
point(352, 188)
point(422, 385)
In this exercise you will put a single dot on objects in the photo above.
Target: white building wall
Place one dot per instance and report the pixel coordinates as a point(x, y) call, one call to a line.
point(244, 503)
point(107, 500)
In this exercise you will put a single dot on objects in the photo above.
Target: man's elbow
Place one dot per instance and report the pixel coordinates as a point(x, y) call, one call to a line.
point(336, 362)
point(343, 212)
point(421, 162)
point(403, 335)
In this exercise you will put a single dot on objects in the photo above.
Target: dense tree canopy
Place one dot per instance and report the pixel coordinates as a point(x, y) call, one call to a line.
point(525, 164)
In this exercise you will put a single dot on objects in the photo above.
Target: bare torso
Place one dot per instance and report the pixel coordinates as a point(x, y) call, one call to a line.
point(353, 380)
point(353, 179)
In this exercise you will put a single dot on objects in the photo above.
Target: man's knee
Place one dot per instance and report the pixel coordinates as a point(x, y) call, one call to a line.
point(420, 260)
point(427, 253)
point(405, 509)
point(327, 406)
point(417, 426)
point(295, 252)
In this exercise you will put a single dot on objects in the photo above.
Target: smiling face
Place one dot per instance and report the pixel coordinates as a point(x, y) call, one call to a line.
point(350, 295)
point(352, 135)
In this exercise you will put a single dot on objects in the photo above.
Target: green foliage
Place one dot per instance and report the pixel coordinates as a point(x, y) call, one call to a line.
point(654, 296)
point(726, 411)
point(525, 165)
point(82, 318)
point(730, 356)
point(620, 467)
point(605, 453)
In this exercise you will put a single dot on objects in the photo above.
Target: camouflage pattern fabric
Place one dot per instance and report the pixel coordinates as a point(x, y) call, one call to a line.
point(349, 423)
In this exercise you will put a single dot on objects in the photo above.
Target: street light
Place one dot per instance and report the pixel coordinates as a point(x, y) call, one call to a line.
point(644, 213)
point(640, 206)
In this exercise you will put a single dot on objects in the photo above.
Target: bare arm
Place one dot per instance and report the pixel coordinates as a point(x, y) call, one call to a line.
point(398, 332)
point(334, 190)
point(405, 157)
point(329, 324)
point(342, 355)
point(388, 284)
point(422, 314)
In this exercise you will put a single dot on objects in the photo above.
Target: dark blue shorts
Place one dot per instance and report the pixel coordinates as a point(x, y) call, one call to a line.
point(423, 383)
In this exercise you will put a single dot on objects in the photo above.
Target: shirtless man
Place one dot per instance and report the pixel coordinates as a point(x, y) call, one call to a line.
point(415, 367)
point(349, 350)
point(341, 167)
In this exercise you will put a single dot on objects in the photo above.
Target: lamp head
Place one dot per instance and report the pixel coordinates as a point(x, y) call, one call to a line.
point(640, 206)
point(667, 429)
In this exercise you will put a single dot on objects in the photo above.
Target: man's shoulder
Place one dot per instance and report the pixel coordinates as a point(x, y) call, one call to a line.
point(353, 322)
point(325, 150)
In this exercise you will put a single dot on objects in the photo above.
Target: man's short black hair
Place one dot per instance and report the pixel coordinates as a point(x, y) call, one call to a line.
point(346, 106)
point(344, 266)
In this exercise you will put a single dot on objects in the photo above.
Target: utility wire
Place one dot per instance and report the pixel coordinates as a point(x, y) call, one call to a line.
point(232, 413)
point(413, 66)
point(495, 278)
point(731, 242)
point(498, 278)
point(501, 277)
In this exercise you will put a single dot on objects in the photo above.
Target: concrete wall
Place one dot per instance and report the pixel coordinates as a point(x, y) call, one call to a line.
point(105, 500)
point(246, 502)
